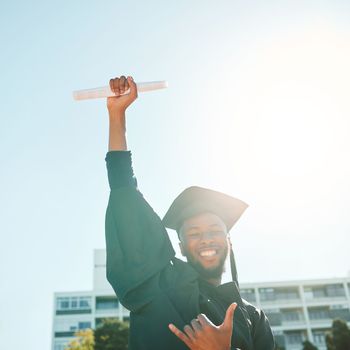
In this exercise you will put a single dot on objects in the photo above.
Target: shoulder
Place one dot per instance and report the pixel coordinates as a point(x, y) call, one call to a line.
point(256, 315)
point(253, 311)
point(177, 273)
point(261, 330)
point(183, 268)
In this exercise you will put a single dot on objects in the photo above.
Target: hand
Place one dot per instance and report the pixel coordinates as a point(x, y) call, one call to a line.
point(204, 335)
point(118, 104)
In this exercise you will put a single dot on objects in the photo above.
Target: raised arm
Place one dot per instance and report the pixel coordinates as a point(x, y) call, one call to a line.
point(138, 247)
point(116, 109)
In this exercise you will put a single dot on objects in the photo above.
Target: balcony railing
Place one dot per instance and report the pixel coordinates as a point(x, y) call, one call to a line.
point(293, 322)
point(281, 301)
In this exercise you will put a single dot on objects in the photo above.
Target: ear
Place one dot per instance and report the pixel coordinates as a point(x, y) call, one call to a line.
point(182, 249)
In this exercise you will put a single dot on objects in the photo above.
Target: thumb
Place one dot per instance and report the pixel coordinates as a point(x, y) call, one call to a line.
point(133, 88)
point(228, 321)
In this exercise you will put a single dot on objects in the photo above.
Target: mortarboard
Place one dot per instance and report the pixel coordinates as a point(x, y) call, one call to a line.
point(195, 200)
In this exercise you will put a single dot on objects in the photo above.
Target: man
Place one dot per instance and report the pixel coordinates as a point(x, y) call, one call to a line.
point(173, 304)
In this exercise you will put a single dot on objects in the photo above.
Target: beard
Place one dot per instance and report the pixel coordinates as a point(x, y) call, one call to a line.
point(208, 273)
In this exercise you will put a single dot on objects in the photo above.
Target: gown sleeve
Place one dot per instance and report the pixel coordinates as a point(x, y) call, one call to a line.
point(137, 244)
point(261, 330)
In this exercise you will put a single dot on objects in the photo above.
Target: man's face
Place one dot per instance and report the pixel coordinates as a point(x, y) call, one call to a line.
point(203, 240)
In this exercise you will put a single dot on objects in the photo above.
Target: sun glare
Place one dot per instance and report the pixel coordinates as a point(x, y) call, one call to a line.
point(288, 114)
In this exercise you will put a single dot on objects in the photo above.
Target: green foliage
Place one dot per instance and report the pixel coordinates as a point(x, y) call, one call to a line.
point(329, 342)
point(112, 335)
point(84, 341)
point(277, 347)
point(339, 338)
point(308, 346)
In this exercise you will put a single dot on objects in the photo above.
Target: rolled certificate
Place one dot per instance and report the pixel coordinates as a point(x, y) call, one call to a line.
point(105, 91)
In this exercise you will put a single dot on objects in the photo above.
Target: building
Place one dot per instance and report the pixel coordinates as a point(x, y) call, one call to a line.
point(297, 310)
point(301, 310)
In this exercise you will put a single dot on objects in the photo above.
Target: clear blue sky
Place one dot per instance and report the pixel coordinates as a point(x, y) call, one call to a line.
point(257, 106)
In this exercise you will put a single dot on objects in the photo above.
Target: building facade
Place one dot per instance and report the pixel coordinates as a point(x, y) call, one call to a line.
point(297, 310)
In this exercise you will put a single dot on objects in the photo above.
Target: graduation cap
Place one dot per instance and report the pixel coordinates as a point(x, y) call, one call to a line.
point(195, 200)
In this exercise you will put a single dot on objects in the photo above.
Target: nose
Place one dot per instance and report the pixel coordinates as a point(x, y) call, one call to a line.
point(206, 237)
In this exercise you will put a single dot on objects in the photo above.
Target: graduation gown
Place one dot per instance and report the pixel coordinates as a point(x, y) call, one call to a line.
point(156, 287)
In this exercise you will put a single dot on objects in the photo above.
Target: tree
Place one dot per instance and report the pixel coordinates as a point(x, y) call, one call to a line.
point(84, 341)
point(329, 342)
point(339, 338)
point(112, 335)
point(308, 346)
point(277, 347)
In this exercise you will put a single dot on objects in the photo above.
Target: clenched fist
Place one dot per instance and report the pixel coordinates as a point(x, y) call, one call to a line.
point(119, 103)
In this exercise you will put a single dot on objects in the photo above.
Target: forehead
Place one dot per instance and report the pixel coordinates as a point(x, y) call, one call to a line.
point(203, 220)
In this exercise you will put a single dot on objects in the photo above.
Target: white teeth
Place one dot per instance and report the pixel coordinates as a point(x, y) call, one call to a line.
point(207, 253)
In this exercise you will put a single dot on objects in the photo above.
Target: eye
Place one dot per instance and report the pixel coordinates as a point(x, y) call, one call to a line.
point(217, 233)
point(194, 235)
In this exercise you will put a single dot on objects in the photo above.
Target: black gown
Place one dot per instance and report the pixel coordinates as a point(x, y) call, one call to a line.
point(156, 287)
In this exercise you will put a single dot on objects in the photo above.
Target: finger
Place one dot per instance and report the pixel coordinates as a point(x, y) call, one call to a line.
point(179, 334)
point(111, 85)
point(228, 321)
point(196, 325)
point(122, 81)
point(115, 82)
point(127, 86)
point(133, 88)
point(204, 320)
point(189, 332)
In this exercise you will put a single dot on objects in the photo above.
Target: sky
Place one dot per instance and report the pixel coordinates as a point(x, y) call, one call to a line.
point(257, 107)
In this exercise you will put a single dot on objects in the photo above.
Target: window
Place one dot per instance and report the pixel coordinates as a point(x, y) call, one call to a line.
point(325, 291)
point(319, 313)
point(60, 345)
point(267, 294)
point(274, 316)
point(71, 324)
point(319, 337)
point(335, 290)
point(319, 292)
point(84, 325)
point(338, 307)
point(294, 338)
point(342, 313)
point(62, 303)
point(288, 293)
point(106, 303)
point(291, 315)
point(248, 294)
point(271, 294)
point(84, 302)
point(73, 305)
point(74, 302)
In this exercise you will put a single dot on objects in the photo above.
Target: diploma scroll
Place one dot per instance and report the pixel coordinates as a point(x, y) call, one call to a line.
point(105, 91)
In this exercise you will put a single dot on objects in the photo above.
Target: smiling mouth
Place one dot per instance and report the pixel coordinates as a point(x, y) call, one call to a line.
point(208, 253)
